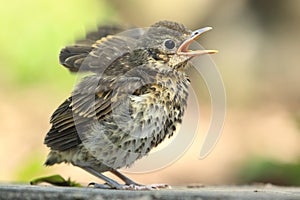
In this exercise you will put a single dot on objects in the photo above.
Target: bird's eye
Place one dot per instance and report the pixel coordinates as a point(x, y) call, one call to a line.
point(169, 44)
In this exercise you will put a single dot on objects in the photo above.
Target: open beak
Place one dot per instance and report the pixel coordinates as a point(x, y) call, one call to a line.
point(183, 49)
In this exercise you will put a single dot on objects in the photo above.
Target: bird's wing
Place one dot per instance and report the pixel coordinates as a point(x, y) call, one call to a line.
point(101, 32)
point(77, 112)
point(97, 51)
point(63, 134)
point(94, 98)
point(70, 54)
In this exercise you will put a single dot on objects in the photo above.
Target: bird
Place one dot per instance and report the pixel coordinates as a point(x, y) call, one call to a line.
point(132, 97)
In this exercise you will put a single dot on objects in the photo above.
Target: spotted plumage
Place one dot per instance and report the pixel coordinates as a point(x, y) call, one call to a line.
point(133, 98)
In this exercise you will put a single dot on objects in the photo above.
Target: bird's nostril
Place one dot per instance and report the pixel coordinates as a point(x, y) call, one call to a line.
point(195, 33)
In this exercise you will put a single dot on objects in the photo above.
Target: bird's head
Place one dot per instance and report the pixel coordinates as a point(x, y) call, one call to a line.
point(169, 42)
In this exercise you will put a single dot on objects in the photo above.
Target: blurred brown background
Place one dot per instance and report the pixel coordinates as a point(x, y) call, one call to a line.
point(258, 43)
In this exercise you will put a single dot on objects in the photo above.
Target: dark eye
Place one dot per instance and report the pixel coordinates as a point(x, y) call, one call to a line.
point(169, 44)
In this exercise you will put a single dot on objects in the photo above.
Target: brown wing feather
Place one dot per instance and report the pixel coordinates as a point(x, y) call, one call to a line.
point(73, 56)
point(61, 137)
point(93, 99)
point(84, 106)
point(63, 133)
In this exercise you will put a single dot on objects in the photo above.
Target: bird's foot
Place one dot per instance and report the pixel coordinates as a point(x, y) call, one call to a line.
point(131, 186)
point(144, 187)
point(100, 186)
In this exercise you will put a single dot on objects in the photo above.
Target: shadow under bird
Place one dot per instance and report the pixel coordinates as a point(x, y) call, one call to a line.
point(133, 97)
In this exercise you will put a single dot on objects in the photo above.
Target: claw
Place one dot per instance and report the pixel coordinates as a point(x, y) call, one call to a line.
point(144, 187)
point(131, 186)
point(100, 186)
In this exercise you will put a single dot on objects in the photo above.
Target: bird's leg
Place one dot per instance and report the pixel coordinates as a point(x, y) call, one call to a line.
point(132, 185)
point(110, 183)
point(129, 184)
point(124, 178)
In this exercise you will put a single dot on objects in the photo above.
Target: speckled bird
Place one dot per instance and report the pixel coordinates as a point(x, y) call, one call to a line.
point(133, 97)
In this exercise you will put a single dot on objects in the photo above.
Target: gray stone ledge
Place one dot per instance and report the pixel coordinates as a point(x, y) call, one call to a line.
point(26, 192)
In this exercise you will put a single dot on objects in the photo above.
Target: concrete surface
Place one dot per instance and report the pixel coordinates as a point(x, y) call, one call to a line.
point(26, 192)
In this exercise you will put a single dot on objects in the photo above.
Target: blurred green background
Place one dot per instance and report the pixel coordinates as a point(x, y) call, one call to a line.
point(258, 43)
